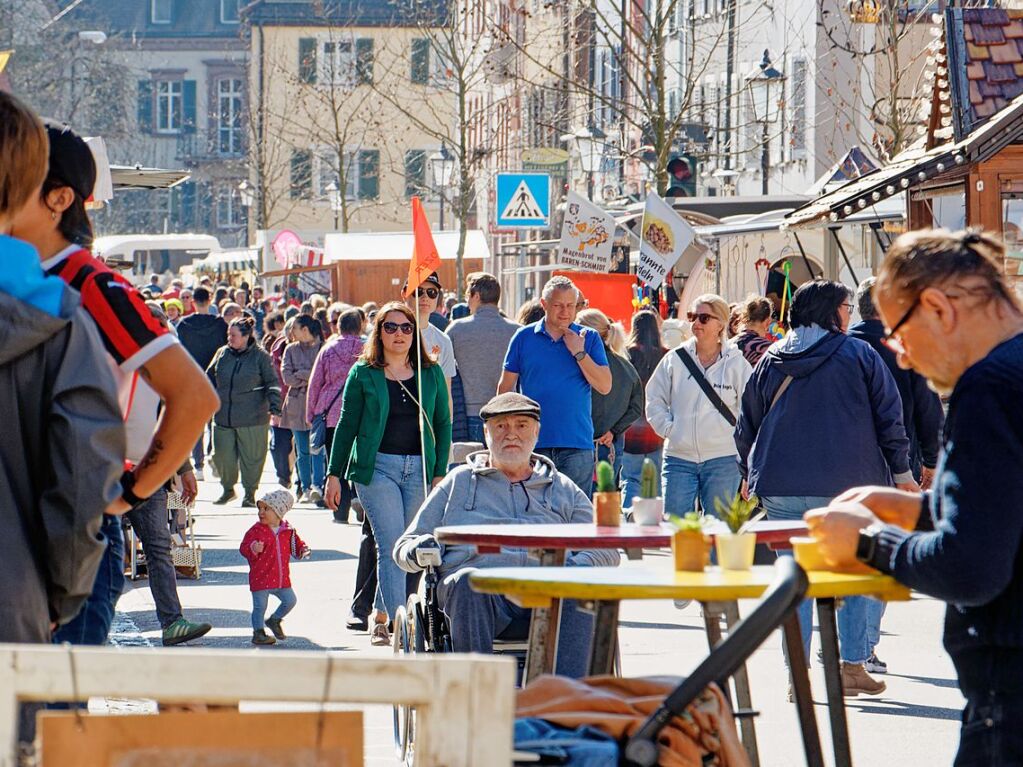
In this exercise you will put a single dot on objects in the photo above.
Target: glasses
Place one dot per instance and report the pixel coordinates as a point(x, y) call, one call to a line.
point(393, 327)
point(848, 308)
point(580, 305)
point(430, 292)
point(702, 317)
point(891, 338)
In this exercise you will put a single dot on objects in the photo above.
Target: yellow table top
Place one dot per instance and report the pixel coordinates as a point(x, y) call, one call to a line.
point(537, 586)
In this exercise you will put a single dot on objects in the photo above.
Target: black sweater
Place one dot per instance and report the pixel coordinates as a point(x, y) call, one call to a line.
point(973, 559)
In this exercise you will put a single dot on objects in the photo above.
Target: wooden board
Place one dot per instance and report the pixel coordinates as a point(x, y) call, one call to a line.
point(217, 739)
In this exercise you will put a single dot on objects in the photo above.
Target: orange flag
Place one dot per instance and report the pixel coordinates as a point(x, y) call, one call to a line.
point(425, 258)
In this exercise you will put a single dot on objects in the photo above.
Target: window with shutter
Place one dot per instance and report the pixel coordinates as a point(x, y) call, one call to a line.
point(369, 174)
point(161, 11)
point(307, 59)
point(415, 173)
point(420, 73)
point(797, 116)
point(364, 60)
point(169, 111)
point(145, 106)
point(188, 107)
point(301, 174)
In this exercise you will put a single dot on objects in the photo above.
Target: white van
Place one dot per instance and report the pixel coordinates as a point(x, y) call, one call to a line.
point(147, 254)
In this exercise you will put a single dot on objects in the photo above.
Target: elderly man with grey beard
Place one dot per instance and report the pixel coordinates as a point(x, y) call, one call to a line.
point(507, 484)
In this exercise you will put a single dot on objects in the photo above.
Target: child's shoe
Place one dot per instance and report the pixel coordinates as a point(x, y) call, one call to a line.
point(274, 624)
point(262, 638)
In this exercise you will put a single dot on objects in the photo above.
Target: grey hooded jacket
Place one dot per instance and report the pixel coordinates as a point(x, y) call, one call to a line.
point(477, 494)
point(61, 457)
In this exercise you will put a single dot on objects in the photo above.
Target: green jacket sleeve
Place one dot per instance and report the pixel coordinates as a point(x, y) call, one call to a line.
point(269, 379)
point(348, 423)
point(441, 422)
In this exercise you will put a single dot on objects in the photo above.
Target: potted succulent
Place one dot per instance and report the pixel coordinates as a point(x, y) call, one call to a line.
point(648, 508)
point(735, 548)
point(690, 547)
point(607, 501)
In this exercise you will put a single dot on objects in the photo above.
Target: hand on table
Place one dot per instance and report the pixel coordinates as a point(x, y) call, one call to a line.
point(891, 506)
point(837, 530)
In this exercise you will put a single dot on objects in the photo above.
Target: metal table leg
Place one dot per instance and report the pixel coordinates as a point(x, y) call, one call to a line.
point(605, 637)
point(801, 688)
point(713, 612)
point(543, 627)
point(833, 681)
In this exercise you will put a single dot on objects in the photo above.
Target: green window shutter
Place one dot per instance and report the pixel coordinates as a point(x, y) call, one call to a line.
point(145, 106)
point(187, 205)
point(307, 59)
point(415, 172)
point(364, 60)
point(188, 106)
point(301, 174)
point(369, 174)
point(420, 60)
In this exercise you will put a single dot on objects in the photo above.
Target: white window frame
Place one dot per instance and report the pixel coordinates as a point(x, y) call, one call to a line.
point(154, 4)
point(229, 200)
point(325, 171)
point(229, 121)
point(169, 93)
point(224, 6)
point(337, 66)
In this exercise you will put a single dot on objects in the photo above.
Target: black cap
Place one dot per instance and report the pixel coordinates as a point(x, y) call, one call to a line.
point(71, 160)
point(433, 279)
point(510, 403)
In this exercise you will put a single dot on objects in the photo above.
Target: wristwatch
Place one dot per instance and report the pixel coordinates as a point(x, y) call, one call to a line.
point(579, 355)
point(128, 489)
point(866, 545)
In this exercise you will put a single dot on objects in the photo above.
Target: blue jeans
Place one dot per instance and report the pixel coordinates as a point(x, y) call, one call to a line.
point(604, 454)
point(477, 619)
point(149, 520)
point(990, 735)
point(259, 601)
point(475, 424)
point(92, 624)
point(684, 481)
point(632, 466)
point(875, 611)
point(574, 463)
point(280, 451)
point(391, 501)
point(304, 459)
point(853, 641)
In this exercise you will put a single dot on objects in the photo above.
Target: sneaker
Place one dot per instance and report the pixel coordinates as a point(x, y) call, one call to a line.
point(285, 483)
point(315, 496)
point(856, 681)
point(380, 637)
point(274, 624)
point(249, 501)
point(181, 631)
point(875, 665)
point(227, 495)
point(261, 637)
point(356, 623)
point(199, 475)
point(303, 498)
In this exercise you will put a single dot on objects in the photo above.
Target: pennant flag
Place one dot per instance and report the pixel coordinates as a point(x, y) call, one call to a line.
point(587, 236)
point(5, 56)
point(425, 258)
point(665, 235)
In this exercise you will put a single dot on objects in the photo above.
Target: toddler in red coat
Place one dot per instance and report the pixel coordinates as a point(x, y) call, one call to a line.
point(268, 546)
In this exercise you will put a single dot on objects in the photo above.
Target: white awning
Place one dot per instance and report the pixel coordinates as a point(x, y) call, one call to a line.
point(397, 246)
point(237, 260)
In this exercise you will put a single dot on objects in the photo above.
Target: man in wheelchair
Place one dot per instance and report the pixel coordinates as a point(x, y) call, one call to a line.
point(507, 484)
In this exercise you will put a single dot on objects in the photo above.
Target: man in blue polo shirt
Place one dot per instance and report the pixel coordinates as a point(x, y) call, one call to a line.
point(558, 364)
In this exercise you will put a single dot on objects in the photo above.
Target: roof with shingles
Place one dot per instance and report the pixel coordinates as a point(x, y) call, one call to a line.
point(356, 13)
point(131, 18)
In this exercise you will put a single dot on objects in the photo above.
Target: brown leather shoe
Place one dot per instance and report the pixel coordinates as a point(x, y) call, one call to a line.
point(856, 681)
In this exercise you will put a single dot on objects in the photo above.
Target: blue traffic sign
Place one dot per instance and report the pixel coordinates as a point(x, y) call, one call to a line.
point(523, 200)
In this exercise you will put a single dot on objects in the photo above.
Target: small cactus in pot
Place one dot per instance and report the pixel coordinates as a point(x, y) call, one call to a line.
point(648, 508)
point(607, 501)
point(690, 547)
point(736, 548)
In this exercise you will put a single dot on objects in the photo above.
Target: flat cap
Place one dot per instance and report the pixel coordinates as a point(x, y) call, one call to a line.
point(510, 403)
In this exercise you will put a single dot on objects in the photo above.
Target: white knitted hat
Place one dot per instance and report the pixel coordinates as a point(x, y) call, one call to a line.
point(279, 501)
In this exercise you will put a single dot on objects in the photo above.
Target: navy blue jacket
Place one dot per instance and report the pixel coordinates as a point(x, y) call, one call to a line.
point(921, 407)
point(838, 425)
point(974, 558)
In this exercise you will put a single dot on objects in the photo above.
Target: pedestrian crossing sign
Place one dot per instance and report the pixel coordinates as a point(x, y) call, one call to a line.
point(523, 200)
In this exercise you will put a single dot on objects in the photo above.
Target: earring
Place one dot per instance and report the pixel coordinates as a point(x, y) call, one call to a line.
point(53, 215)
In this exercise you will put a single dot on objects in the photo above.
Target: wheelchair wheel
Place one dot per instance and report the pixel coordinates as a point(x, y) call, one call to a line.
point(401, 714)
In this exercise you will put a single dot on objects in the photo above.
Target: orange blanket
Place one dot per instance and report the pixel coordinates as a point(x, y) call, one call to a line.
point(619, 706)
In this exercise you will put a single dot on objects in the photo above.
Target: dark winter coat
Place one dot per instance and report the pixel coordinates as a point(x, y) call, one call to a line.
point(248, 387)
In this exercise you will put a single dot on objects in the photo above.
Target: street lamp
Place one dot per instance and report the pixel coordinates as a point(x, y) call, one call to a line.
point(247, 195)
point(334, 195)
point(589, 143)
point(765, 84)
point(442, 166)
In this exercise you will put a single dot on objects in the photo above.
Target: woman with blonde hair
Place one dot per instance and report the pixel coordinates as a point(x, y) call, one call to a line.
point(614, 412)
point(692, 401)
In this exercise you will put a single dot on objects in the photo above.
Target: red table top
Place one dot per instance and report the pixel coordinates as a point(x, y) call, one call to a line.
point(586, 536)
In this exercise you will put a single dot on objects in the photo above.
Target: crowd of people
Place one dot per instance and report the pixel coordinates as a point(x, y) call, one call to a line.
point(426, 411)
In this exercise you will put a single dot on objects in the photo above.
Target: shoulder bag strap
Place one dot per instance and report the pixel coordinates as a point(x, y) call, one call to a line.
point(701, 379)
point(777, 394)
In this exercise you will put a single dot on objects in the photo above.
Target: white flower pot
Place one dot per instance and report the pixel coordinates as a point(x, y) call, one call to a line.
point(647, 511)
point(735, 552)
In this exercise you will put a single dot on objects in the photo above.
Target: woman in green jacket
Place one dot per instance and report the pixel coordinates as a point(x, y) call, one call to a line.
point(249, 392)
point(393, 449)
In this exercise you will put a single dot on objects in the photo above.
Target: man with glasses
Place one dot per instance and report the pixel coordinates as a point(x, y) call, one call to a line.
point(559, 363)
point(438, 345)
point(954, 318)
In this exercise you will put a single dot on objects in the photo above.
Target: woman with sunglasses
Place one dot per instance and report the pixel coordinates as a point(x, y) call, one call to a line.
point(387, 437)
point(699, 449)
point(822, 414)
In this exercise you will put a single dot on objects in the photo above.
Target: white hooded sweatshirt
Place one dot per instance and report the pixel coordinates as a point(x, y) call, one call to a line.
point(683, 415)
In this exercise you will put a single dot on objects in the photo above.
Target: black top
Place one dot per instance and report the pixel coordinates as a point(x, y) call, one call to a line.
point(973, 559)
point(401, 435)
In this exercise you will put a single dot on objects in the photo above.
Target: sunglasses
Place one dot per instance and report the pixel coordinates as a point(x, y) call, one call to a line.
point(393, 327)
point(703, 318)
point(430, 292)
